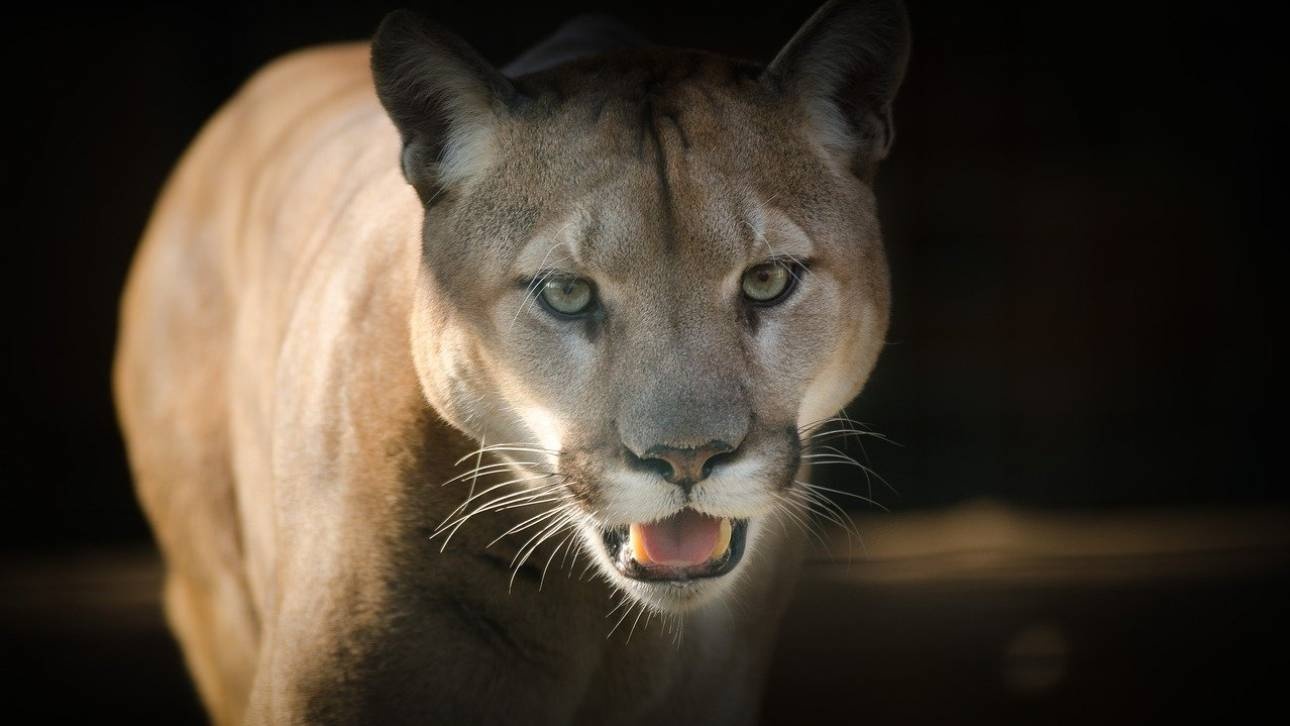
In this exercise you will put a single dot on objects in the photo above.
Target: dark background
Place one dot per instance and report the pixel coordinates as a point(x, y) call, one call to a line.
point(1079, 216)
point(1078, 212)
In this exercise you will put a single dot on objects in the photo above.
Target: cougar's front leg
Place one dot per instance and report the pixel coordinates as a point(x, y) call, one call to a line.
point(371, 629)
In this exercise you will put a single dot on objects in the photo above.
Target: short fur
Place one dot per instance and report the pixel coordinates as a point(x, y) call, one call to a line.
point(308, 347)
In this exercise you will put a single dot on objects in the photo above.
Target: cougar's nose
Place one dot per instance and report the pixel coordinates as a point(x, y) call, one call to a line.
point(683, 467)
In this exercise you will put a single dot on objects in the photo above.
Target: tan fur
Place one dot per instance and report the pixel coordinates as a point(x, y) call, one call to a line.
point(298, 371)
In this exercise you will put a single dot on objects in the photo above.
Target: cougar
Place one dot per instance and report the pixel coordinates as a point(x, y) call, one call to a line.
point(457, 394)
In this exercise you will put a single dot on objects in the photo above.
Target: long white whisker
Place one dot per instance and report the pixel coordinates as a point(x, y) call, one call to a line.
point(497, 504)
point(832, 511)
point(639, 613)
point(621, 602)
point(861, 497)
point(495, 487)
point(531, 521)
point(537, 539)
point(813, 500)
point(537, 284)
point(843, 433)
point(531, 502)
point(805, 524)
point(487, 470)
point(492, 448)
point(843, 460)
point(847, 522)
point(531, 293)
point(531, 546)
point(626, 612)
point(474, 479)
point(561, 546)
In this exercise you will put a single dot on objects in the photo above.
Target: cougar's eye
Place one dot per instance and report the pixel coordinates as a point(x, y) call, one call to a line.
point(768, 282)
point(568, 295)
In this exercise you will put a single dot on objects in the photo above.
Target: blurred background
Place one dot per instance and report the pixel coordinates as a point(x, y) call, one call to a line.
point(1079, 217)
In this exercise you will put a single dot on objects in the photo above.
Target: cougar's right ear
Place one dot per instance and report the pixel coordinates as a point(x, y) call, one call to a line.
point(844, 66)
point(444, 98)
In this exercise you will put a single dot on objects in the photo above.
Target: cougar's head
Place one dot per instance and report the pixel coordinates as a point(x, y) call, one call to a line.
point(647, 274)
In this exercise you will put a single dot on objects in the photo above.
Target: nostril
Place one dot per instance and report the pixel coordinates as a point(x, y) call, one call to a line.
point(715, 460)
point(660, 467)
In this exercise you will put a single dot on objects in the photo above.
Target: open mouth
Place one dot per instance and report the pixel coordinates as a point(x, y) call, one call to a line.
point(688, 545)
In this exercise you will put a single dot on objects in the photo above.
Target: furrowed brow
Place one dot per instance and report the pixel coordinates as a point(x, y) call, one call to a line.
point(775, 234)
point(556, 246)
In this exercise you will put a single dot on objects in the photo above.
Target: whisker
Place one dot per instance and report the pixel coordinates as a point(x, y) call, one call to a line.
point(812, 500)
point(565, 558)
point(860, 442)
point(832, 511)
point(841, 513)
point(829, 458)
point(626, 612)
point(639, 613)
point(861, 497)
point(560, 521)
point(479, 460)
point(843, 419)
point(567, 538)
point(537, 283)
point(487, 470)
point(497, 504)
point(530, 522)
point(531, 292)
point(849, 427)
point(493, 448)
point(777, 257)
point(843, 433)
point(528, 549)
point(621, 601)
point(804, 524)
point(522, 493)
point(783, 528)
point(678, 629)
point(529, 503)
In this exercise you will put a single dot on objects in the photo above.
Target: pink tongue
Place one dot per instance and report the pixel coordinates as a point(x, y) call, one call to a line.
point(683, 539)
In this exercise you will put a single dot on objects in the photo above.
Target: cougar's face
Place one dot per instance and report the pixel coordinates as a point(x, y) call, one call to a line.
point(645, 314)
point(647, 275)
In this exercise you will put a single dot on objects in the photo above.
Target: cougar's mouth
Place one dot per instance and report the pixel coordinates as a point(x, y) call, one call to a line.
point(686, 546)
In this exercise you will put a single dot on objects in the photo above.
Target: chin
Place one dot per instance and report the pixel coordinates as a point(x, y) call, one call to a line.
point(678, 574)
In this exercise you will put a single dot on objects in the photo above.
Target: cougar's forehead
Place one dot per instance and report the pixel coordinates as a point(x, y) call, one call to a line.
point(620, 168)
point(635, 229)
point(681, 206)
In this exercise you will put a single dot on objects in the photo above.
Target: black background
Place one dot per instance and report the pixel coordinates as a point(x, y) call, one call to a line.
point(1078, 212)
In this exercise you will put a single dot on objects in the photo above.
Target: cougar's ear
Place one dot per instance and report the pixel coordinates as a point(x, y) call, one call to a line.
point(444, 98)
point(844, 66)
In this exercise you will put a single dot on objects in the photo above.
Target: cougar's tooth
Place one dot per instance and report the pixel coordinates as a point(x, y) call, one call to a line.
point(723, 541)
point(637, 539)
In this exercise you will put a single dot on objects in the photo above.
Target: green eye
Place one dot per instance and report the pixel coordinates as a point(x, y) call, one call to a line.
point(766, 282)
point(567, 295)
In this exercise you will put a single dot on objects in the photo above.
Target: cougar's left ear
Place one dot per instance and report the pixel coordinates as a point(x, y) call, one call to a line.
point(844, 66)
point(444, 98)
